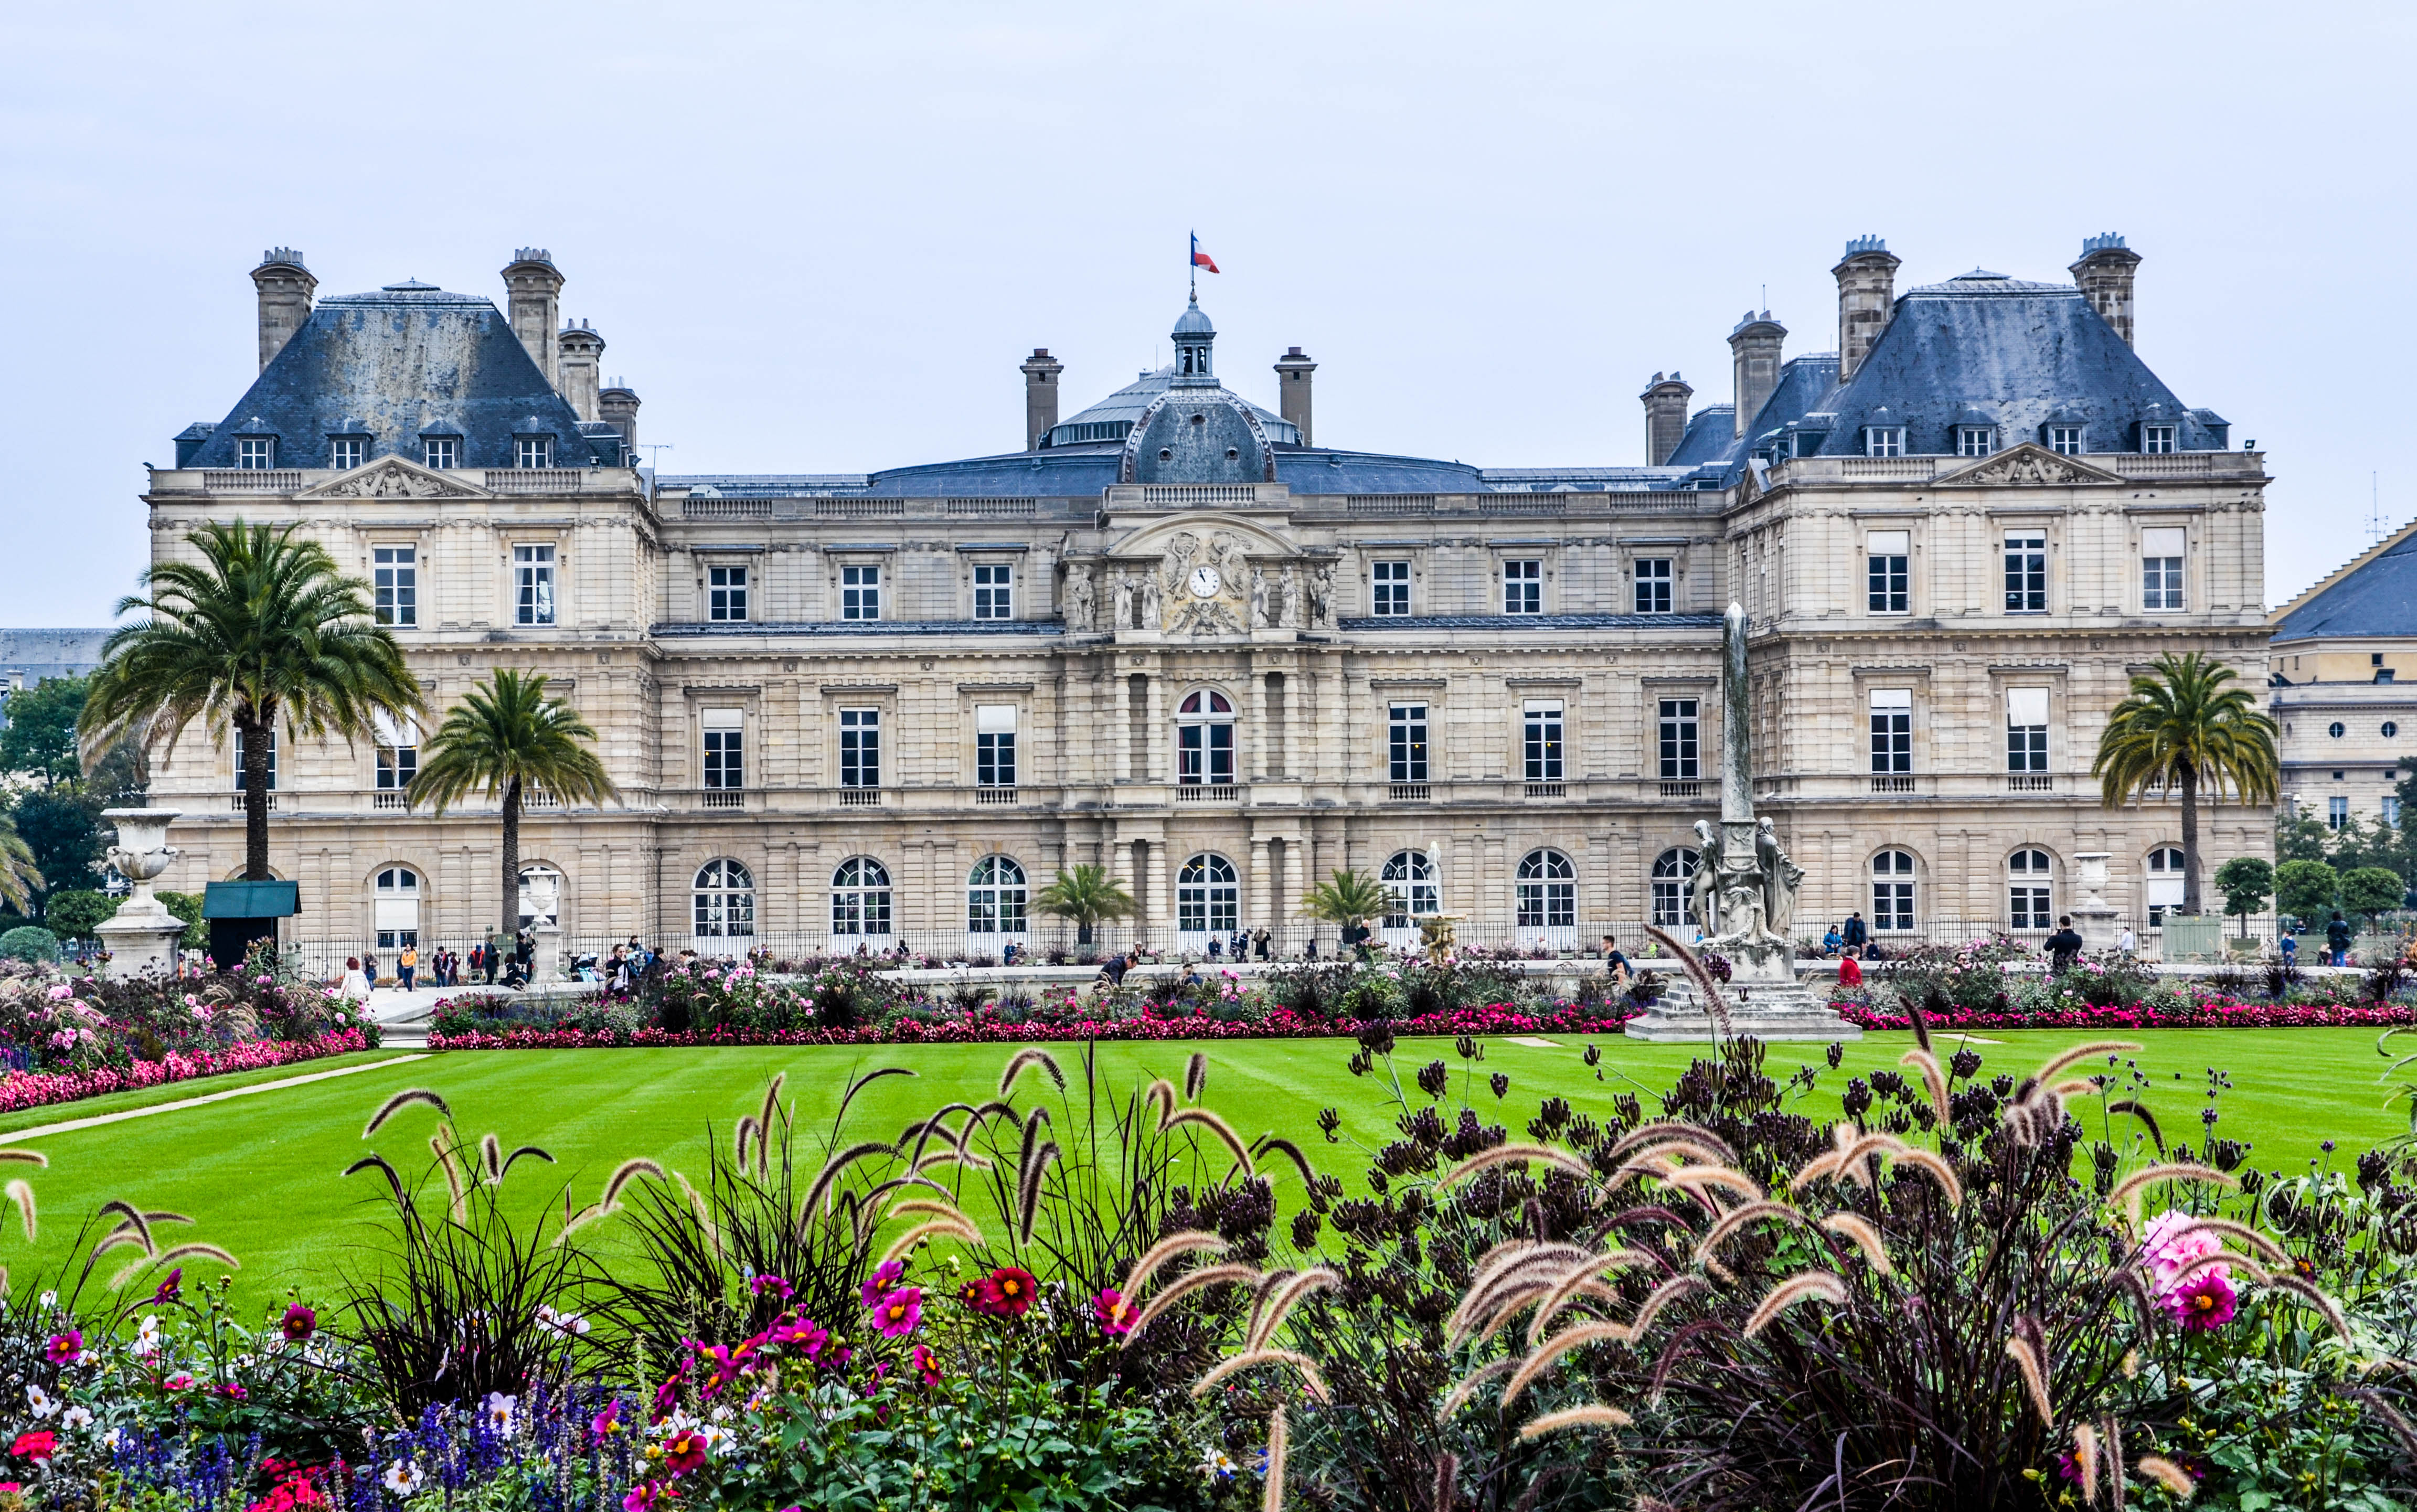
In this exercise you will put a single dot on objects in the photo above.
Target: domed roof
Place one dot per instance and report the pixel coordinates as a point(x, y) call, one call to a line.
point(1197, 435)
point(1191, 322)
point(1107, 421)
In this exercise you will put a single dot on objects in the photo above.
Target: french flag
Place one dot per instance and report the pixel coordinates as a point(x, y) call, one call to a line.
point(1199, 258)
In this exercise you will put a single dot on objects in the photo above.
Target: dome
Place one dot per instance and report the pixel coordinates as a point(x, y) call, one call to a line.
point(1192, 323)
point(1197, 435)
point(1110, 418)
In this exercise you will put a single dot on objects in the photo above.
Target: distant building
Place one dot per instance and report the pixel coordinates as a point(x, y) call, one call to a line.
point(2345, 685)
point(1178, 634)
point(31, 657)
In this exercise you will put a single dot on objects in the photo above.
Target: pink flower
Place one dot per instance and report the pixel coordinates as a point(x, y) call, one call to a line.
point(881, 1281)
point(927, 1365)
point(2172, 1246)
point(1115, 1313)
point(65, 1349)
point(37, 1445)
point(2203, 1303)
point(773, 1285)
point(645, 1495)
point(804, 1331)
point(897, 1314)
point(605, 1423)
point(179, 1381)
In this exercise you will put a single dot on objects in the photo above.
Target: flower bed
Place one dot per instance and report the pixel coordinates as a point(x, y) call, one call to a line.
point(1495, 1019)
point(2196, 1014)
point(38, 1089)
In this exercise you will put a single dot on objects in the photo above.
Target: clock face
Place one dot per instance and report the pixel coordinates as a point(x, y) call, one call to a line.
point(1205, 582)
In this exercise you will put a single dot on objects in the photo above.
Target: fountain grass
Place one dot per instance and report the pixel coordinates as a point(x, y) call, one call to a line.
point(262, 1174)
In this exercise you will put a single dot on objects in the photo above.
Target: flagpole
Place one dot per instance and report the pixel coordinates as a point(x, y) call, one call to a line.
point(1192, 267)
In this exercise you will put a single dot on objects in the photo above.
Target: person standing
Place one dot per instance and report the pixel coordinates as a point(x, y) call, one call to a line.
point(407, 963)
point(2064, 946)
point(370, 967)
point(2337, 937)
point(1853, 934)
point(491, 962)
point(2128, 943)
point(356, 986)
point(1615, 963)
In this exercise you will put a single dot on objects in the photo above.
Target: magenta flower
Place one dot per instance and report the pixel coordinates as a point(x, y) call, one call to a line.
point(883, 1279)
point(300, 1324)
point(898, 1313)
point(605, 1423)
point(65, 1349)
point(2203, 1303)
point(1115, 1312)
point(774, 1285)
point(803, 1332)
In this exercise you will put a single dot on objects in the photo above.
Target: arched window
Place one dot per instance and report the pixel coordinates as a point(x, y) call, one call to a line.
point(1892, 891)
point(1548, 891)
point(1409, 876)
point(1207, 899)
point(540, 897)
point(398, 908)
point(2028, 903)
point(725, 901)
point(1674, 903)
point(1204, 740)
point(995, 898)
point(860, 897)
point(2165, 884)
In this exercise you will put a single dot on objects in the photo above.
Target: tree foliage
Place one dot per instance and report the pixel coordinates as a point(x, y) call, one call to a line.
point(2182, 727)
point(1087, 894)
point(2305, 889)
point(40, 737)
point(188, 907)
point(2371, 891)
point(76, 912)
point(1348, 899)
point(64, 842)
point(258, 632)
point(2246, 882)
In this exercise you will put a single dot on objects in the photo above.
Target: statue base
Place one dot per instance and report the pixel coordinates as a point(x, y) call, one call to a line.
point(1763, 996)
point(140, 943)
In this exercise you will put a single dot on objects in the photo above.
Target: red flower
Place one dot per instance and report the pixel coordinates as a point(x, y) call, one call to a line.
point(1005, 1292)
point(927, 1365)
point(301, 1323)
point(1117, 1313)
point(684, 1451)
point(39, 1445)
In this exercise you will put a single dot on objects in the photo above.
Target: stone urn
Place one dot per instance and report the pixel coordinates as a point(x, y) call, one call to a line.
point(142, 936)
point(2094, 916)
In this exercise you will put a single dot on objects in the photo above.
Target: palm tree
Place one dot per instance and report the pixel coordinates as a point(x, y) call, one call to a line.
point(1349, 899)
point(20, 878)
point(505, 735)
point(1087, 894)
point(2180, 727)
point(262, 630)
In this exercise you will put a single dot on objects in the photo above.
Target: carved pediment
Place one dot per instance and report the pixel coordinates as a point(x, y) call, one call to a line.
point(394, 478)
point(2027, 462)
point(1210, 575)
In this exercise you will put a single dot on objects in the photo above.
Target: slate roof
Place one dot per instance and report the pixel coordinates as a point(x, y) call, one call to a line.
point(1531, 621)
point(397, 363)
point(2376, 597)
point(1126, 404)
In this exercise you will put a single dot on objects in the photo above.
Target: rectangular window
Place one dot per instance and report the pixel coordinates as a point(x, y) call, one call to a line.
point(1653, 585)
point(2392, 809)
point(532, 452)
point(272, 762)
point(1884, 441)
point(1975, 440)
point(2026, 573)
point(994, 591)
point(724, 747)
point(1543, 739)
point(726, 592)
point(533, 571)
point(1680, 744)
point(1523, 588)
point(1886, 556)
point(2064, 438)
point(252, 453)
point(2336, 812)
point(1892, 906)
point(995, 745)
point(1204, 752)
point(2025, 729)
point(2161, 567)
point(346, 451)
point(2030, 906)
point(859, 592)
point(395, 577)
point(1389, 588)
point(859, 748)
point(1407, 741)
point(1891, 731)
point(443, 453)
point(396, 766)
point(2156, 439)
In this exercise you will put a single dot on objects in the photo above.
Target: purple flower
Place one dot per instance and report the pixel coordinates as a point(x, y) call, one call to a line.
point(899, 1312)
point(883, 1279)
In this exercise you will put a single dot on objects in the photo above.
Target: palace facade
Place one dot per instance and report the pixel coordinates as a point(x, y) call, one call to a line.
point(1176, 634)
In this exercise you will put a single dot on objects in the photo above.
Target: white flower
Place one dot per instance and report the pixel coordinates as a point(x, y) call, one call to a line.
point(110, 1439)
point(1217, 1466)
point(499, 1412)
point(49, 1300)
point(402, 1477)
point(146, 1338)
point(40, 1400)
point(76, 1418)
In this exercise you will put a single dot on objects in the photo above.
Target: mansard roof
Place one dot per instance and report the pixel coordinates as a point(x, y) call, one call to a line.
point(2375, 595)
point(393, 364)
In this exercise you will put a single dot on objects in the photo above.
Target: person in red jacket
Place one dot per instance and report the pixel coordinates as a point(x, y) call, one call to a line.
point(1850, 971)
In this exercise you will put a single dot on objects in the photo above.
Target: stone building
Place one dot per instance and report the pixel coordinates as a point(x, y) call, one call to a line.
point(1174, 636)
point(2348, 720)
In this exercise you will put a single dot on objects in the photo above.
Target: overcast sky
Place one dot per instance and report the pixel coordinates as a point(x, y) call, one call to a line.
point(820, 237)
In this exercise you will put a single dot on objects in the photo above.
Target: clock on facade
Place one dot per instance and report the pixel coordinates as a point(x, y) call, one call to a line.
point(1204, 581)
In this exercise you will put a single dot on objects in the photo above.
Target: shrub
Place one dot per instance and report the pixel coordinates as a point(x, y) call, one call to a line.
point(29, 942)
point(2371, 891)
point(75, 914)
point(2246, 882)
point(188, 907)
point(2306, 888)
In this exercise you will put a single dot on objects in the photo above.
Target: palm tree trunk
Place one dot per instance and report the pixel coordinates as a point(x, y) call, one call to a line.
point(512, 907)
point(2190, 839)
point(256, 737)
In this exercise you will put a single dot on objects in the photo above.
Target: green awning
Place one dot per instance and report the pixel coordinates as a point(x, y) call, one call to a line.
point(251, 900)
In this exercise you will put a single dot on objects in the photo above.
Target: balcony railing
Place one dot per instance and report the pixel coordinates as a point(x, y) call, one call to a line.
point(388, 798)
point(254, 481)
point(2030, 781)
point(534, 480)
point(994, 795)
point(725, 509)
point(1410, 792)
point(993, 508)
point(859, 797)
point(722, 798)
point(1687, 788)
point(1208, 792)
point(858, 509)
point(1899, 783)
point(235, 801)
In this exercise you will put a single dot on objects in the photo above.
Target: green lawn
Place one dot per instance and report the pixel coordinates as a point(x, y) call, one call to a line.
point(260, 1172)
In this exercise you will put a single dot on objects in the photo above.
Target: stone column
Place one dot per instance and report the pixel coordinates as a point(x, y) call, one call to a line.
point(1261, 913)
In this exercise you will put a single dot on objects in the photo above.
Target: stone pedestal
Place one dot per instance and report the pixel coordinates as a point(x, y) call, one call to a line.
point(140, 937)
point(545, 965)
point(2093, 918)
point(1763, 996)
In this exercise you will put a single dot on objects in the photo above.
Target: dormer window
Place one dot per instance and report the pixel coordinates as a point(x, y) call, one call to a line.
point(254, 453)
point(1975, 440)
point(2156, 439)
point(346, 451)
point(1884, 440)
point(2066, 439)
point(533, 451)
point(1805, 443)
point(443, 453)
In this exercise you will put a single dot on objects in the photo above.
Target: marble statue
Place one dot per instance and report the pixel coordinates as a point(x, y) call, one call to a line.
point(1078, 599)
point(1287, 598)
point(1124, 601)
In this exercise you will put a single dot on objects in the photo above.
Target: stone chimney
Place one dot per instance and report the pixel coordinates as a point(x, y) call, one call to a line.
point(285, 288)
point(1292, 388)
point(1040, 373)
point(2105, 274)
point(580, 369)
point(1754, 347)
point(1666, 417)
point(535, 307)
point(1866, 296)
point(618, 405)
